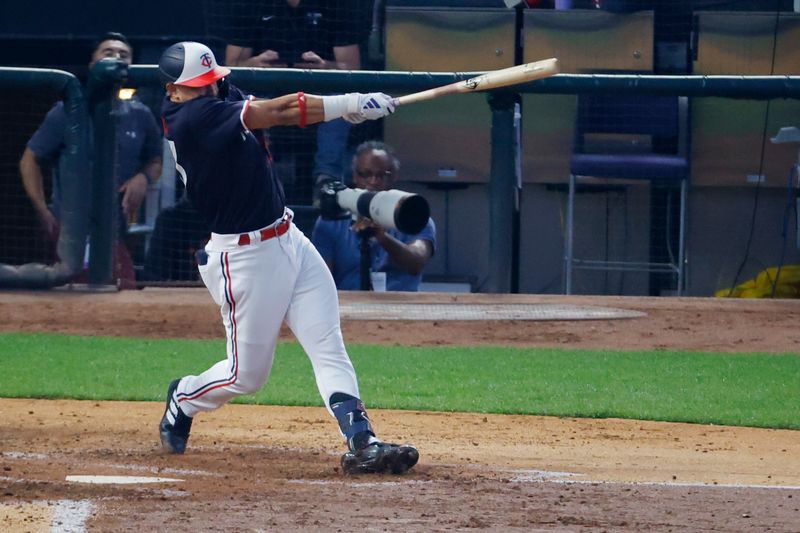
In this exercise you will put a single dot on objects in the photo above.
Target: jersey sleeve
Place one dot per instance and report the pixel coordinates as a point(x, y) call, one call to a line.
point(47, 142)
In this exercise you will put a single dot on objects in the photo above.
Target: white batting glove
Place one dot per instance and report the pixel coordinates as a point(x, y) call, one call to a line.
point(373, 106)
point(357, 107)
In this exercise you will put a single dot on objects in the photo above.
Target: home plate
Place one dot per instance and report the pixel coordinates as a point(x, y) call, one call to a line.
point(121, 480)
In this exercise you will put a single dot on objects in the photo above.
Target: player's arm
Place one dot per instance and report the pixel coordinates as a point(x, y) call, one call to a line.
point(283, 111)
point(299, 109)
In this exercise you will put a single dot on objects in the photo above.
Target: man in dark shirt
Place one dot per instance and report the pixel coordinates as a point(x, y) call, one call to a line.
point(259, 268)
point(306, 34)
point(139, 148)
point(314, 34)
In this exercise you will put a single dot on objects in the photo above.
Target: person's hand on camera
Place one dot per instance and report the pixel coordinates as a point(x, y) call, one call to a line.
point(368, 226)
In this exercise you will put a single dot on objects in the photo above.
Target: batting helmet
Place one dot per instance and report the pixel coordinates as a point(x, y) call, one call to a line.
point(191, 64)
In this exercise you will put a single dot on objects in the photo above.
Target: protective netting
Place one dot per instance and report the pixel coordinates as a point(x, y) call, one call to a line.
point(21, 237)
point(740, 216)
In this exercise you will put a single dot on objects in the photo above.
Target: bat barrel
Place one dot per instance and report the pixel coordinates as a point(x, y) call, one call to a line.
point(494, 79)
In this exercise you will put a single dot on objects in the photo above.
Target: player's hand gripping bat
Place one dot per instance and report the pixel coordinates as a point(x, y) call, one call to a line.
point(489, 80)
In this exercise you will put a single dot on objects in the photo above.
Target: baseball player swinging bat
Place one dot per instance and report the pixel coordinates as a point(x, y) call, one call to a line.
point(490, 80)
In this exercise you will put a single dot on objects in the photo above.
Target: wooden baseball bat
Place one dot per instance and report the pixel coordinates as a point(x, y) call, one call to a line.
point(488, 80)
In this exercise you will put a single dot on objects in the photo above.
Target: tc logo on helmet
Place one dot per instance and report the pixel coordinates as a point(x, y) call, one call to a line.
point(206, 60)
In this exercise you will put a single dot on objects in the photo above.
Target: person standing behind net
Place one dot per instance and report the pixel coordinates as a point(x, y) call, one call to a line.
point(138, 156)
point(304, 34)
point(258, 266)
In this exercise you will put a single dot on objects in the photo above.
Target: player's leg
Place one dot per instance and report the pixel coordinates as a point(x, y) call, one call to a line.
point(313, 316)
point(252, 312)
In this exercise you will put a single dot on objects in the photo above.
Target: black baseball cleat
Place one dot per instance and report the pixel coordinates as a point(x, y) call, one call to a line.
point(380, 457)
point(174, 435)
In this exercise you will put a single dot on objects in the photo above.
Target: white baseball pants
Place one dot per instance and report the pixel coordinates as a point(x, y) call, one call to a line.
point(257, 287)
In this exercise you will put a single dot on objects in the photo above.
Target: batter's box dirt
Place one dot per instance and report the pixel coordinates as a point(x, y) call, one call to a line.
point(516, 473)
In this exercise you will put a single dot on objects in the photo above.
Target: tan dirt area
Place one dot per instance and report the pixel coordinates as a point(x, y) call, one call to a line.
point(259, 468)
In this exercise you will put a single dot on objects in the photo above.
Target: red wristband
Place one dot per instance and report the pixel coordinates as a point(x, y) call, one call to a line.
point(301, 103)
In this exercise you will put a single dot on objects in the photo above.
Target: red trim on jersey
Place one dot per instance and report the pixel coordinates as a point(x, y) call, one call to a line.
point(164, 125)
point(301, 103)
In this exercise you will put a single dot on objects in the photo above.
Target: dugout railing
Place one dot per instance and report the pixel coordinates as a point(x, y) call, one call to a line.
point(504, 183)
point(75, 180)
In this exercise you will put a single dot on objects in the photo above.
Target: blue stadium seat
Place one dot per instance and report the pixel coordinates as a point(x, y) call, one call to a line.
point(600, 119)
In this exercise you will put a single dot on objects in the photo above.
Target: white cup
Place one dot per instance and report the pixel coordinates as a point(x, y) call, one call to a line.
point(378, 281)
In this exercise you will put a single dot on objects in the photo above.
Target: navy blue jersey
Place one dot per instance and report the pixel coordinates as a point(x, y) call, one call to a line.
point(227, 168)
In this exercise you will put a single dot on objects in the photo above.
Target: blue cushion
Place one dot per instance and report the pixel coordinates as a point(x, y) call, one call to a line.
point(630, 166)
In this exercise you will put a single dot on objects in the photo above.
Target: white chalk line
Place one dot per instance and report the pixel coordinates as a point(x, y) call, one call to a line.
point(266, 447)
point(672, 484)
point(159, 470)
point(70, 516)
point(15, 479)
point(67, 516)
point(546, 476)
point(357, 484)
point(528, 476)
point(120, 480)
point(24, 455)
point(167, 493)
point(141, 468)
point(525, 476)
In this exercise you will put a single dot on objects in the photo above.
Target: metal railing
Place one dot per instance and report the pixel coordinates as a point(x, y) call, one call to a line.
point(280, 81)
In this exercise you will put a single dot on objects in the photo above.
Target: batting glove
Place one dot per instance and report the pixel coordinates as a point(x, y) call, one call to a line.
point(373, 106)
point(356, 107)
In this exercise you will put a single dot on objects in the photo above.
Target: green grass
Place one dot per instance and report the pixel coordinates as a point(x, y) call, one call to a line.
point(761, 390)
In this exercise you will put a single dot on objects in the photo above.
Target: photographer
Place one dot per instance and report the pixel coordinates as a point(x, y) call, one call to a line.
point(401, 256)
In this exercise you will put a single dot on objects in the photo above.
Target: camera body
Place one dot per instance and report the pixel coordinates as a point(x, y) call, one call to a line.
point(393, 209)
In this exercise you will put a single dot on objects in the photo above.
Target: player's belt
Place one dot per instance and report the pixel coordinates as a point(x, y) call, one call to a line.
point(267, 233)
